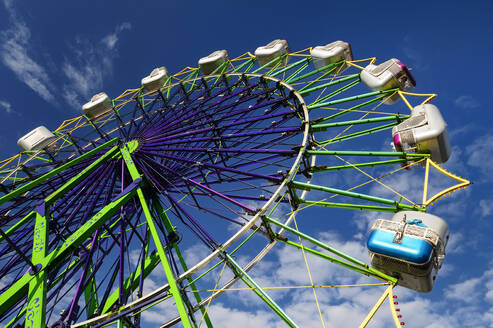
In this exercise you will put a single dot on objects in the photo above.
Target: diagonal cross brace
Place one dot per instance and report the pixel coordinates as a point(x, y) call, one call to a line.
point(19, 289)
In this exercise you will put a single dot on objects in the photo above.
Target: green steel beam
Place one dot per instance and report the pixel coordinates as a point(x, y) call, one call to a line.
point(319, 78)
point(355, 264)
point(36, 299)
point(240, 67)
point(349, 110)
point(36, 307)
point(323, 127)
point(318, 70)
point(88, 228)
point(277, 59)
point(19, 289)
point(343, 100)
point(324, 168)
point(194, 80)
point(173, 287)
point(317, 242)
point(307, 186)
point(363, 153)
point(14, 294)
point(194, 73)
point(302, 68)
point(14, 320)
point(287, 68)
point(132, 282)
point(41, 158)
point(395, 209)
point(170, 228)
point(336, 92)
point(28, 186)
point(259, 291)
point(69, 185)
point(369, 272)
point(220, 68)
point(358, 134)
point(19, 223)
point(328, 84)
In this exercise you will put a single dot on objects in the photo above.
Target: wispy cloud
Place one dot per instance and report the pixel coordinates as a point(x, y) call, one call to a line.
point(414, 58)
point(5, 105)
point(83, 70)
point(480, 156)
point(111, 39)
point(466, 102)
point(90, 62)
point(15, 54)
point(458, 306)
point(485, 207)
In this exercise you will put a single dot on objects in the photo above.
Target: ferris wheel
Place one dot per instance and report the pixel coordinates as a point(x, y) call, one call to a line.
point(168, 195)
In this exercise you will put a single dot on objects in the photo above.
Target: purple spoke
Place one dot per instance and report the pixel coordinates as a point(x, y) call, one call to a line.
point(181, 159)
point(192, 220)
point(157, 140)
point(238, 135)
point(83, 274)
point(226, 150)
point(199, 108)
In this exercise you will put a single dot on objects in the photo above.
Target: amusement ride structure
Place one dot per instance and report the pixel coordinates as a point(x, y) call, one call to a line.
point(169, 194)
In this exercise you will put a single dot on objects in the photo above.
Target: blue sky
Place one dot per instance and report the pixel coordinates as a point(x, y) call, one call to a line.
point(55, 56)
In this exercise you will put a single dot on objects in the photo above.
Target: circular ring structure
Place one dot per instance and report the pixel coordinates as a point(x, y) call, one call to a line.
point(171, 197)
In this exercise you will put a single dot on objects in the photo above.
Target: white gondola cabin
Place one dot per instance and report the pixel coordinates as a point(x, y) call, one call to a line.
point(391, 74)
point(212, 62)
point(271, 51)
point(37, 139)
point(411, 247)
point(99, 105)
point(156, 79)
point(331, 53)
point(425, 131)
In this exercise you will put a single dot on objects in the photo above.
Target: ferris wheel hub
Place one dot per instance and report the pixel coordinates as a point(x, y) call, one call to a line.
point(132, 145)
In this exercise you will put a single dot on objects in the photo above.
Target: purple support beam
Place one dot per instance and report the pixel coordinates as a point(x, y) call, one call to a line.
point(213, 166)
point(83, 274)
point(284, 152)
point(236, 135)
point(192, 220)
point(199, 108)
point(168, 136)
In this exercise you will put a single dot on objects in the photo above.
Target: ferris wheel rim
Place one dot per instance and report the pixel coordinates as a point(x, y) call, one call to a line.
point(243, 229)
point(131, 307)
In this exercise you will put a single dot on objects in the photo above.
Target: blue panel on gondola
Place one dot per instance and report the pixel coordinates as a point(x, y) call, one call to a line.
point(410, 249)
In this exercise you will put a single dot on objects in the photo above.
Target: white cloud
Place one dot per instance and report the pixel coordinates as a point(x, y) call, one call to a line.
point(463, 304)
point(455, 244)
point(15, 54)
point(111, 39)
point(6, 106)
point(8, 4)
point(466, 102)
point(485, 207)
point(416, 59)
point(480, 155)
point(83, 70)
point(90, 63)
point(465, 291)
point(225, 317)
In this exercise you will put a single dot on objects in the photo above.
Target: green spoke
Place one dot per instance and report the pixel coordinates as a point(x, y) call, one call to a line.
point(259, 291)
point(306, 186)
